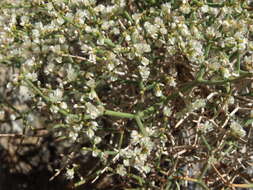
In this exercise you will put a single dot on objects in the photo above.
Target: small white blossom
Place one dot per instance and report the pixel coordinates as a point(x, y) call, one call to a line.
point(137, 17)
point(121, 170)
point(151, 29)
point(90, 133)
point(54, 109)
point(2, 114)
point(158, 92)
point(56, 95)
point(135, 136)
point(200, 103)
point(97, 140)
point(73, 136)
point(237, 129)
point(142, 48)
point(95, 153)
point(205, 8)
point(144, 61)
point(71, 73)
point(25, 93)
point(167, 111)
point(185, 8)
point(166, 8)
point(63, 105)
point(70, 173)
point(144, 72)
point(94, 111)
point(24, 20)
point(32, 76)
point(206, 127)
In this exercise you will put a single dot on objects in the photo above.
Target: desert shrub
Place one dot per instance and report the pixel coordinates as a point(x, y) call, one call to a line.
point(149, 94)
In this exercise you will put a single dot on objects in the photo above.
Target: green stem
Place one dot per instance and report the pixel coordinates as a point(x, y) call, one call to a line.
point(37, 90)
point(208, 50)
point(119, 114)
point(201, 73)
point(8, 104)
point(238, 64)
point(140, 125)
point(220, 82)
point(128, 16)
point(48, 100)
point(206, 143)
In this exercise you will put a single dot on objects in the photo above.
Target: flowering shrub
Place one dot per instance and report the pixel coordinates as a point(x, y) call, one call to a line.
point(159, 93)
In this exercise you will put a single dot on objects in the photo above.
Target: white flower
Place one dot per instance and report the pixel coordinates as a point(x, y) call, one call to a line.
point(231, 100)
point(24, 20)
point(151, 29)
point(60, 21)
point(121, 170)
point(99, 8)
point(70, 173)
point(137, 17)
point(144, 61)
point(200, 103)
point(71, 73)
point(115, 31)
point(205, 8)
point(97, 140)
point(56, 95)
point(94, 111)
point(158, 92)
point(167, 111)
point(30, 62)
point(32, 76)
point(25, 93)
point(63, 105)
point(210, 32)
point(49, 68)
point(107, 24)
point(90, 133)
point(92, 95)
point(126, 162)
point(2, 114)
point(62, 39)
point(35, 33)
point(172, 81)
point(166, 8)
point(183, 28)
point(163, 31)
point(185, 8)
point(206, 127)
point(54, 109)
point(135, 137)
point(225, 72)
point(95, 153)
point(92, 56)
point(142, 48)
point(128, 38)
point(144, 72)
point(237, 129)
point(73, 136)
point(55, 49)
point(146, 169)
